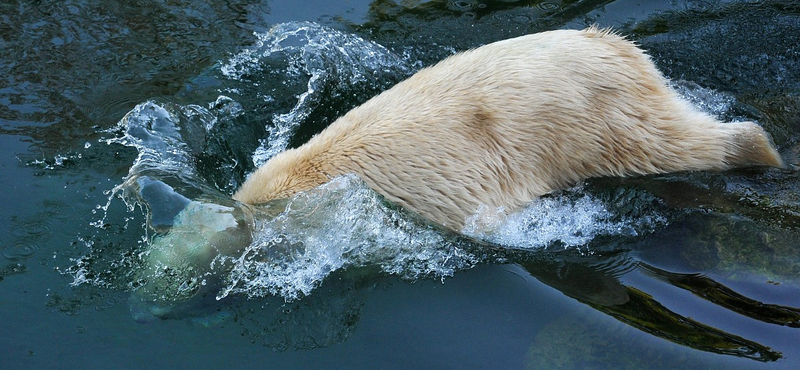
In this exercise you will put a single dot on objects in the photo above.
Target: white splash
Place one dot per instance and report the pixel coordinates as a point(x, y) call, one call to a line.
point(339, 225)
point(547, 221)
point(716, 103)
point(153, 129)
point(323, 54)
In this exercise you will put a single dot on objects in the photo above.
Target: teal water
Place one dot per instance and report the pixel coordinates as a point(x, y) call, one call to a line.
point(115, 115)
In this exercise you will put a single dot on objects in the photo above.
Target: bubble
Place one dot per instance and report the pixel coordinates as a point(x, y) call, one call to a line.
point(390, 29)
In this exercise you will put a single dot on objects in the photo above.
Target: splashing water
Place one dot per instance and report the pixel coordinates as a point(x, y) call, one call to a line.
point(718, 104)
point(323, 54)
point(343, 224)
point(163, 134)
point(548, 221)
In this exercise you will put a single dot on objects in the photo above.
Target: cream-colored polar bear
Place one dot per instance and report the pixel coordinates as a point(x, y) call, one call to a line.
point(510, 121)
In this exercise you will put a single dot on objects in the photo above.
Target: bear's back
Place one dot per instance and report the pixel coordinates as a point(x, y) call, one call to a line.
point(510, 121)
point(499, 125)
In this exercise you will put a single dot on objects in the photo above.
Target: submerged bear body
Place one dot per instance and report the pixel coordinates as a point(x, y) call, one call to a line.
point(505, 123)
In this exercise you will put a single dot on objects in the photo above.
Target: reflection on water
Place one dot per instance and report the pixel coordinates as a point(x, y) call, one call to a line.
point(202, 93)
point(706, 288)
point(599, 288)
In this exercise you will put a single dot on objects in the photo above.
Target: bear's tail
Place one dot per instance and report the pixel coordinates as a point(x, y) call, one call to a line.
point(752, 146)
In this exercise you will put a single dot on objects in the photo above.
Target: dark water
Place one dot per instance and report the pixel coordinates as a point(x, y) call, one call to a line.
point(681, 271)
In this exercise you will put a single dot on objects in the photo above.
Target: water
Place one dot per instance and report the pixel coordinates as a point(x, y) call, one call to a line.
point(126, 244)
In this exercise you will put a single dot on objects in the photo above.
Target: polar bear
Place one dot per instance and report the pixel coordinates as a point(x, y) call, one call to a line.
point(507, 122)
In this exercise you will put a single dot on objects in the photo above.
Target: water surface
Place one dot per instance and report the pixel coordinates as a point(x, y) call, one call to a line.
point(115, 117)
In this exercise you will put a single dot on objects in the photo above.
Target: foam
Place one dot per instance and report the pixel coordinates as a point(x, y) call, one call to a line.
point(341, 224)
point(547, 221)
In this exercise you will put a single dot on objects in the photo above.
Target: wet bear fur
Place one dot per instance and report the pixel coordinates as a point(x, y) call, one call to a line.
point(510, 121)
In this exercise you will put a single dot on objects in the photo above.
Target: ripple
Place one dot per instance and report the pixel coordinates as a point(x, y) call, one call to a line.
point(20, 251)
point(39, 229)
point(521, 19)
point(548, 7)
point(109, 302)
point(70, 307)
point(461, 5)
point(34, 228)
point(469, 15)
